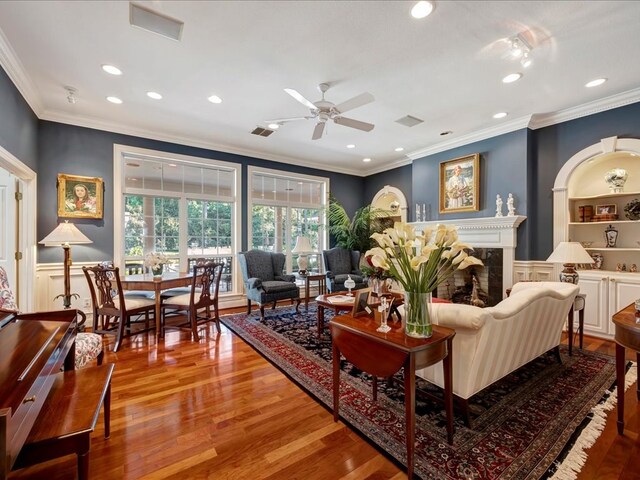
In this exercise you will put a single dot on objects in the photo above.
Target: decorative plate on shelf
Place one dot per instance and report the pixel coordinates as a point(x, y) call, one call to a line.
point(632, 209)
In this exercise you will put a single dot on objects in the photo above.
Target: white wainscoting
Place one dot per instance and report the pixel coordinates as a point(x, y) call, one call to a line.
point(533, 271)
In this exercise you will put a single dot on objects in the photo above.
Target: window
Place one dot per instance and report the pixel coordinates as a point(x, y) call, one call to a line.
point(283, 207)
point(182, 206)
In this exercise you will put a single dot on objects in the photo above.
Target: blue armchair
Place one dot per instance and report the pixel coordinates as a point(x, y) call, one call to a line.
point(340, 263)
point(265, 281)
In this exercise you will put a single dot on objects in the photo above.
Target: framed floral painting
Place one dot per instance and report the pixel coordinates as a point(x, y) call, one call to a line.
point(460, 184)
point(79, 197)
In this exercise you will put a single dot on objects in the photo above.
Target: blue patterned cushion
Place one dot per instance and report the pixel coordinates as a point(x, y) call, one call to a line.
point(276, 286)
point(259, 265)
point(88, 347)
point(339, 261)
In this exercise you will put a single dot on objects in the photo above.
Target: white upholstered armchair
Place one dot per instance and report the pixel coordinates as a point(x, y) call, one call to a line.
point(492, 342)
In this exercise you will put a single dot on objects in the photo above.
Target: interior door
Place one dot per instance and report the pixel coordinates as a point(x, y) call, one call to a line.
point(8, 227)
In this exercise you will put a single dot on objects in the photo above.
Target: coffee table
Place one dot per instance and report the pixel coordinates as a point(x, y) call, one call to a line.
point(324, 301)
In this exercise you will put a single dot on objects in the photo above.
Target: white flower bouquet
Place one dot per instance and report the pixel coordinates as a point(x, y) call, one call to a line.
point(420, 262)
point(153, 260)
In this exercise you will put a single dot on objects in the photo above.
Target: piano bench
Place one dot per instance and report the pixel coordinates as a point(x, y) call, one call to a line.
point(68, 417)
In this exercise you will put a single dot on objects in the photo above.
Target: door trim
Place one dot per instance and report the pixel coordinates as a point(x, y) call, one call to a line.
point(27, 225)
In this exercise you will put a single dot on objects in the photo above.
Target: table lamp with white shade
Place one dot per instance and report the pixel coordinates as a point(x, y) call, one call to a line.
point(569, 254)
point(65, 235)
point(302, 248)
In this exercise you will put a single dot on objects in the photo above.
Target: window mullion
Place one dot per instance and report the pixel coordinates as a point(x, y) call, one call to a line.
point(182, 232)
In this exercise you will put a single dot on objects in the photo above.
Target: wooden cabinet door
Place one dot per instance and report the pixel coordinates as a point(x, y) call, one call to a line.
point(596, 317)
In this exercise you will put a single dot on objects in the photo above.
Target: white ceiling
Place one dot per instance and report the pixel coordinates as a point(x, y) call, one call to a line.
point(445, 69)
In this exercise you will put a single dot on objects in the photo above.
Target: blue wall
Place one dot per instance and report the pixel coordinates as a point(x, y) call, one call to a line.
point(504, 164)
point(18, 124)
point(84, 151)
point(398, 177)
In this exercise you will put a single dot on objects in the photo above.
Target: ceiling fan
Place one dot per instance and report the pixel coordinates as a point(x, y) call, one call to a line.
point(323, 110)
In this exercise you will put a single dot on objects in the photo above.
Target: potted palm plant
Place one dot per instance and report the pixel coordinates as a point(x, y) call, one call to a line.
point(354, 233)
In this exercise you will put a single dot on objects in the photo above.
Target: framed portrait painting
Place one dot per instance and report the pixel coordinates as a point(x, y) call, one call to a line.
point(460, 184)
point(79, 197)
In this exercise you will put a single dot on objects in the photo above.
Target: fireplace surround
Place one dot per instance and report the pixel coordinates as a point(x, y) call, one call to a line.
point(488, 233)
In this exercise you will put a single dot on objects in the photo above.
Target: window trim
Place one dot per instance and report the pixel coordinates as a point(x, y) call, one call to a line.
point(121, 152)
point(323, 231)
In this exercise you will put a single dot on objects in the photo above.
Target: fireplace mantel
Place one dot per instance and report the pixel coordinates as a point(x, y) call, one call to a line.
point(487, 232)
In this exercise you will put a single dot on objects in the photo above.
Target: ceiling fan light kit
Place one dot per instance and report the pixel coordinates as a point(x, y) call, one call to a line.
point(323, 110)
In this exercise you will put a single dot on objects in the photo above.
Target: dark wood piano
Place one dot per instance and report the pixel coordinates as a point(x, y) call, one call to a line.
point(32, 352)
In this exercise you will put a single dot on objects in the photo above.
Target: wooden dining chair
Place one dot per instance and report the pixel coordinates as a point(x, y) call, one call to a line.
point(113, 312)
point(203, 297)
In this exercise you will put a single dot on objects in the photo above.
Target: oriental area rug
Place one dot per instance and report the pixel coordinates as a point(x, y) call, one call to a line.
point(521, 426)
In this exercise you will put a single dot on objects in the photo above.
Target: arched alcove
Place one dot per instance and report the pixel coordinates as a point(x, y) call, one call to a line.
point(583, 174)
point(392, 199)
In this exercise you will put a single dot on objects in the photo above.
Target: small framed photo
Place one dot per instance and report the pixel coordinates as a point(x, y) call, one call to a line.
point(460, 184)
point(360, 305)
point(79, 197)
point(610, 209)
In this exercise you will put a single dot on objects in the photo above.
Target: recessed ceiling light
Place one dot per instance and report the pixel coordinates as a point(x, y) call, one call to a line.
point(512, 77)
point(399, 149)
point(115, 100)
point(421, 9)
point(500, 115)
point(595, 83)
point(154, 95)
point(446, 132)
point(215, 99)
point(274, 126)
point(351, 145)
point(111, 69)
point(366, 160)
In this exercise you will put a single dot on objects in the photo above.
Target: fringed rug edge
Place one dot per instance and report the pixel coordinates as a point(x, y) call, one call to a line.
point(573, 462)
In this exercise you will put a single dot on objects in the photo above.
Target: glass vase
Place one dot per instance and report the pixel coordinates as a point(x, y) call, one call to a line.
point(157, 271)
point(417, 307)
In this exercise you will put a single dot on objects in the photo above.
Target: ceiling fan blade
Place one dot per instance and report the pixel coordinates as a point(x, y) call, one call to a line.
point(284, 120)
point(350, 122)
point(317, 132)
point(355, 102)
point(295, 94)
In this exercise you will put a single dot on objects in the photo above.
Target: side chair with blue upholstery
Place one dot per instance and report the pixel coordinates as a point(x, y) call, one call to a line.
point(339, 264)
point(265, 281)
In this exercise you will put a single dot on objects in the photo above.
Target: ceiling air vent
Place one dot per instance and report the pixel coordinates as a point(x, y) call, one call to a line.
point(409, 121)
point(155, 22)
point(263, 132)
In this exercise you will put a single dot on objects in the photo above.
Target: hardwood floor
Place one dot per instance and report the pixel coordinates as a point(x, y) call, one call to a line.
point(217, 409)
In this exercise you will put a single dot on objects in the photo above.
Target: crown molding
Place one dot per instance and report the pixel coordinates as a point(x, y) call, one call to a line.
point(505, 127)
point(387, 166)
point(97, 124)
point(586, 109)
point(17, 73)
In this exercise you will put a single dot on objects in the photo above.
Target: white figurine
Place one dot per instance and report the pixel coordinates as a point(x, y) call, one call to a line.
point(499, 206)
point(511, 209)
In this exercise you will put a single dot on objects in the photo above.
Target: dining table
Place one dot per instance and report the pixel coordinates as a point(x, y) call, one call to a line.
point(149, 283)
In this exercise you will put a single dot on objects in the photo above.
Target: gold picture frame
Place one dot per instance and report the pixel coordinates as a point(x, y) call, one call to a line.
point(80, 197)
point(608, 209)
point(460, 184)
